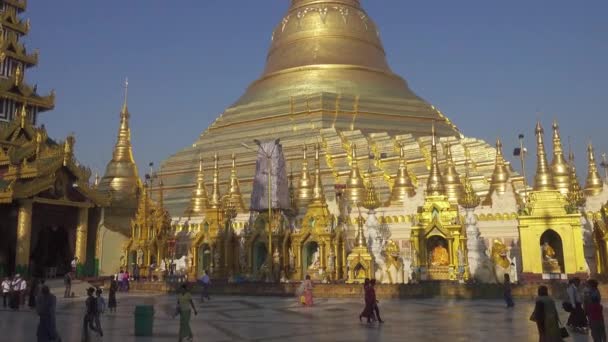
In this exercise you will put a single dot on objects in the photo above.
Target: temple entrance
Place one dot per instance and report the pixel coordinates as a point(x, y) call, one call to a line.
point(310, 257)
point(552, 252)
point(204, 259)
point(8, 232)
point(260, 253)
point(52, 254)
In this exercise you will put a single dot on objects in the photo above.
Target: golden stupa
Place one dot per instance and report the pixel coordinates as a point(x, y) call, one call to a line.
point(327, 81)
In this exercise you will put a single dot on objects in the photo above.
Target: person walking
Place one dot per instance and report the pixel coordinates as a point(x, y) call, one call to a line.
point(6, 289)
point(34, 292)
point(595, 314)
point(119, 279)
point(308, 299)
point(112, 296)
point(546, 317)
point(101, 308)
point(18, 286)
point(125, 280)
point(184, 304)
point(205, 282)
point(368, 310)
point(577, 320)
point(46, 303)
point(375, 302)
point(89, 316)
point(67, 282)
point(507, 291)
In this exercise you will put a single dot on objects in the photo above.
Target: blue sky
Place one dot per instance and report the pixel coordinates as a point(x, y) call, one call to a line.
point(490, 66)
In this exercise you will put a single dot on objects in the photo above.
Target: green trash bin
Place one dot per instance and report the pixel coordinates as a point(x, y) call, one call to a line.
point(144, 320)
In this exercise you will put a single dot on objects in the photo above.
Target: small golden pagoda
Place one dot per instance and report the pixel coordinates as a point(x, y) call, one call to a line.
point(551, 238)
point(559, 166)
point(451, 179)
point(600, 238)
point(360, 263)
point(234, 192)
point(200, 200)
point(594, 184)
point(438, 240)
point(150, 230)
point(500, 176)
point(403, 188)
point(305, 184)
point(318, 247)
point(355, 189)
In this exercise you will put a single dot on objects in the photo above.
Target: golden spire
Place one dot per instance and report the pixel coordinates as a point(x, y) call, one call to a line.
point(594, 184)
point(500, 176)
point(470, 199)
point(402, 186)
point(293, 201)
point(434, 185)
point(561, 170)
point(544, 178)
point(575, 196)
point(360, 240)
point(355, 188)
point(23, 114)
point(121, 177)
point(215, 202)
point(451, 179)
point(305, 184)
point(317, 192)
point(235, 191)
point(200, 201)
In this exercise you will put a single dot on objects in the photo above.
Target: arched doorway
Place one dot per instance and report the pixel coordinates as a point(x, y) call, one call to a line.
point(204, 258)
point(260, 253)
point(52, 253)
point(552, 252)
point(310, 256)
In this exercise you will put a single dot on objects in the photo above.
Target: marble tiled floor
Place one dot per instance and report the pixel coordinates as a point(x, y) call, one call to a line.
point(282, 319)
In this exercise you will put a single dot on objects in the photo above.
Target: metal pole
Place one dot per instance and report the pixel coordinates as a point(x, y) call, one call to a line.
point(270, 261)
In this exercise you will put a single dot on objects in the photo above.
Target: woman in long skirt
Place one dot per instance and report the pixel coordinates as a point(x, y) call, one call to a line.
point(184, 303)
point(308, 291)
point(577, 320)
point(45, 307)
point(368, 310)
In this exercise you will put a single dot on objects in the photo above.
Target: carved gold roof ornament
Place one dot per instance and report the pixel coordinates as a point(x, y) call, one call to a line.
point(451, 179)
point(23, 115)
point(305, 184)
point(293, 199)
point(215, 200)
point(235, 191)
point(559, 166)
point(434, 185)
point(200, 201)
point(18, 75)
point(500, 176)
point(355, 188)
point(403, 188)
point(543, 180)
point(576, 196)
point(371, 201)
point(122, 177)
point(594, 184)
point(469, 200)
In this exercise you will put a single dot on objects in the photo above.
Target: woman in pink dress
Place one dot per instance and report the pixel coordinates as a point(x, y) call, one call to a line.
point(308, 291)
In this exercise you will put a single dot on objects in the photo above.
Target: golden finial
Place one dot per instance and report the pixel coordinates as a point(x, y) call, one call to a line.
point(68, 149)
point(355, 188)
point(544, 178)
point(594, 184)
point(500, 176)
point(451, 179)
point(361, 241)
point(559, 167)
point(23, 115)
point(317, 191)
point(96, 183)
point(470, 199)
point(293, 200)
point(18, 75)
point(235, 191)
point(305, 184)
point(125, 108)
point(434, 186)
point(215, 202)
point(200, 201)
point(402, 186)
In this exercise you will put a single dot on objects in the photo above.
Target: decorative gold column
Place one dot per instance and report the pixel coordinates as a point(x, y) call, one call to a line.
point(24, 236)
point(81, 235)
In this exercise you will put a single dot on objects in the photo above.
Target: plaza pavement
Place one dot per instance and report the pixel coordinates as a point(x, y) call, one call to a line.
point(283, 319)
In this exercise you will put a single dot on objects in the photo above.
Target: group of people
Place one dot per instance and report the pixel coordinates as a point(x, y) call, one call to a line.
point(14, 292)
point(371, 311)
point(583, 303)
point(122, 280)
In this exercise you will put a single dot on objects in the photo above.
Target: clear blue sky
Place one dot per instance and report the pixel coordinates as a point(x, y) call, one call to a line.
point(489, 65)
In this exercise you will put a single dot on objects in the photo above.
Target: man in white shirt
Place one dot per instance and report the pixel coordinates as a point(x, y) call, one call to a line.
point(6, 288)
point(18, 287)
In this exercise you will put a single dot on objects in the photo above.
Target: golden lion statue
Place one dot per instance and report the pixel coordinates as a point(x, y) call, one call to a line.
point(501, 261)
